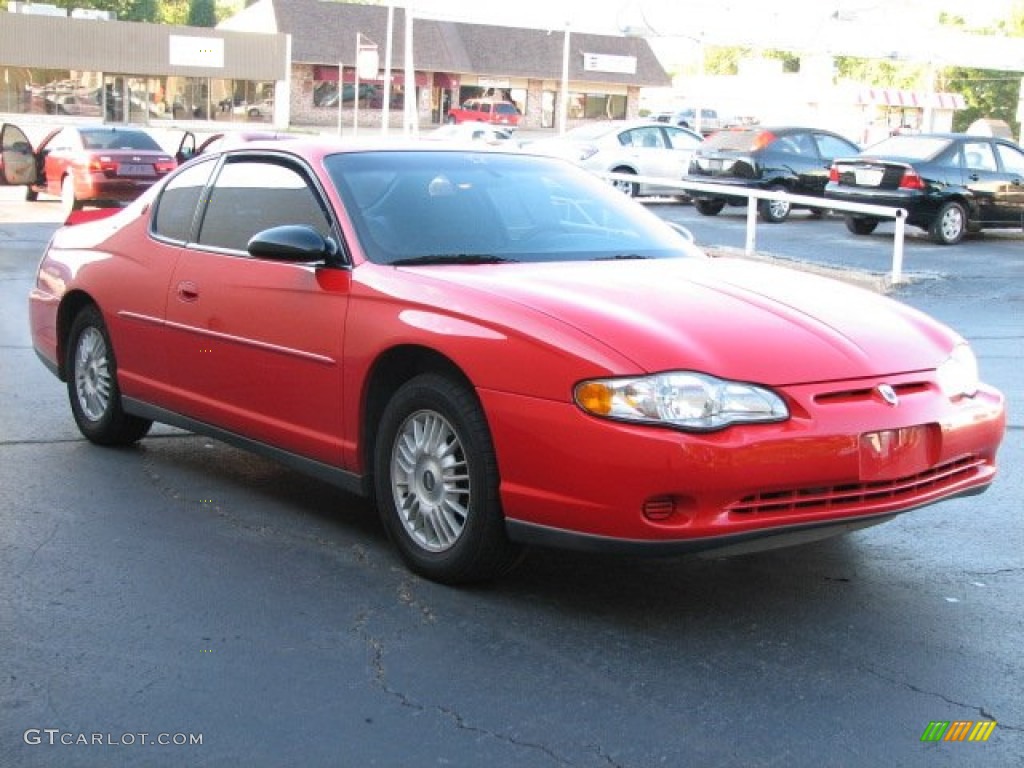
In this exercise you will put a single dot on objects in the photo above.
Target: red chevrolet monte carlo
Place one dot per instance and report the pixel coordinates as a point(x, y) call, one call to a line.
point(502, 349)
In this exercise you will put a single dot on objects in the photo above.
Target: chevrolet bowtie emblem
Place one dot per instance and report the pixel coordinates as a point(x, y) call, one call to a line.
point(888, 394)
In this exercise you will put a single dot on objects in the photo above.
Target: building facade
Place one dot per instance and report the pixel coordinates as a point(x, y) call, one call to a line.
point(293, 63)
point(452, 61)
point(66, 67)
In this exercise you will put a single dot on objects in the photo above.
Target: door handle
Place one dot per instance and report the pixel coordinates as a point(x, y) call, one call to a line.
point(188, 291)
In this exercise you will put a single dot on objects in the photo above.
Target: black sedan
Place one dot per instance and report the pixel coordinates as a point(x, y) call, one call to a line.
point(949, 183)
point(789, 159)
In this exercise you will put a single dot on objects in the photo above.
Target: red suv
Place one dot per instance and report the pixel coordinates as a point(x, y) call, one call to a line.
point(486, 111)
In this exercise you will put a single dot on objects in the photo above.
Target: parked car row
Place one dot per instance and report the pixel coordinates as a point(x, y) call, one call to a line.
point(950, 184)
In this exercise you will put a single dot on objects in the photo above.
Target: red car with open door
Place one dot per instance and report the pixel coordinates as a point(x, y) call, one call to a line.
point(84, 164)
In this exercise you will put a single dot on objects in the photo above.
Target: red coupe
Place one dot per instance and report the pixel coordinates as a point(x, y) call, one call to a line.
point(502, 349)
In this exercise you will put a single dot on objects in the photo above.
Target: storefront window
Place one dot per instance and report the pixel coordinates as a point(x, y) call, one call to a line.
point(371, 92)
point(125, 98)
point(51, 91)
point(597, 106)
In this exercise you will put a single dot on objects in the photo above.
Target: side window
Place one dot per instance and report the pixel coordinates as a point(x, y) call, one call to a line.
point(1012, 159)
point(647, 137)
point(681, 139)
point(250, 195)
point(176, 208)
point(829, 147)
point(978, 156)
point(797, 144)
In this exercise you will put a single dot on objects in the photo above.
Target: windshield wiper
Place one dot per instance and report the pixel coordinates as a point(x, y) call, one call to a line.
point(452, 258)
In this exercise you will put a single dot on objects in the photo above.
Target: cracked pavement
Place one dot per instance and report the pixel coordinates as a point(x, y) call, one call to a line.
point(183, 586)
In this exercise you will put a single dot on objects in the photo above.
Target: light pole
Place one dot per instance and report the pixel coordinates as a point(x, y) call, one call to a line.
point(410, 121)
point(563, 99)
point(385, 121)
point(367, 68)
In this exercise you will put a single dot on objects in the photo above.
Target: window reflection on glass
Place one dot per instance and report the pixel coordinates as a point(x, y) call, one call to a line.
point(131, 98)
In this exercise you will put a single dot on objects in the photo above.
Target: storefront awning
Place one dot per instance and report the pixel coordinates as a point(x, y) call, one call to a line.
point(892, 97)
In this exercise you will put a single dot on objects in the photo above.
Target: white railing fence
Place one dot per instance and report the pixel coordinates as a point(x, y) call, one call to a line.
point(898, 215)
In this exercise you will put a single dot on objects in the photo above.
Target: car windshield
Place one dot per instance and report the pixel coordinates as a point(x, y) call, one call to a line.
point(913, 147)
point(449, 207)
point(118, 138)
point(589, 131)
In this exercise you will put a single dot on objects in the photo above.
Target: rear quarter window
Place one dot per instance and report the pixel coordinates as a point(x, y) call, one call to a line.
point(176, 208)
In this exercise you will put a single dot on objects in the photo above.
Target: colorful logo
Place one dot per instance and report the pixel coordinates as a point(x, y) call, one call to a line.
point(958, 730)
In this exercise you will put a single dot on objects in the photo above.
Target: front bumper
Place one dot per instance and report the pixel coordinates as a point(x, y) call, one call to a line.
point(611, 485)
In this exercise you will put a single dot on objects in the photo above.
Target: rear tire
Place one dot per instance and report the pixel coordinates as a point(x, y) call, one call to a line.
point(859, 225)
point(31, 195)
point(436, 482)
point(709, 207)
point(950, 225)
point(630, 188)
point(92, 384)
point(68, 201)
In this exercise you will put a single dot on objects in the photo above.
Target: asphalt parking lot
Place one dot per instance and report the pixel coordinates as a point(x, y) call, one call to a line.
point(184, 603)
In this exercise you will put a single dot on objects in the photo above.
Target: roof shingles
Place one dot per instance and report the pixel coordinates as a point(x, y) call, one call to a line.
point(324, 32)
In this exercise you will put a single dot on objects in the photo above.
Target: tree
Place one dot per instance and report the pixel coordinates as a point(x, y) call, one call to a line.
point(988, 93)
point(143, 10)
point(202, 13)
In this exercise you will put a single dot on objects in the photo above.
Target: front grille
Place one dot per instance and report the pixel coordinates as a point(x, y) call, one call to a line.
point(852, 496)
point(839, 397)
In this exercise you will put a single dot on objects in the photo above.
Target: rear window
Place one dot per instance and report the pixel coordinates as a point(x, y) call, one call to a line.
point(913, 147)
point(118, 138)
point(732, 139)
point(506, 109)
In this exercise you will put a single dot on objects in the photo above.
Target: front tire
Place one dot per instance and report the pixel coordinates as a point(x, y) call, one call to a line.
point(774, 211)
point(92, 384)
point(31, 195)
point(436, 480)
point(950, 225)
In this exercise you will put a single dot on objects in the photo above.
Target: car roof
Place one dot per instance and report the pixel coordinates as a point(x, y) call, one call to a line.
point(320, 146)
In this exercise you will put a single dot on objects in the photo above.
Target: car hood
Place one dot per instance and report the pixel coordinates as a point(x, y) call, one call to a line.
point(732, 318)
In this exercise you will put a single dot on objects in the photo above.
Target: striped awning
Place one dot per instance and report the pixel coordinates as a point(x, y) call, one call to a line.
point(893, 97)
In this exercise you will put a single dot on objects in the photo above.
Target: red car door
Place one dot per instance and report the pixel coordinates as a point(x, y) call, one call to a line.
point(17, 161)
point(255, 344)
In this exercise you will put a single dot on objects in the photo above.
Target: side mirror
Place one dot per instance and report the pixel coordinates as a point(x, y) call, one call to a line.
point(293, 242)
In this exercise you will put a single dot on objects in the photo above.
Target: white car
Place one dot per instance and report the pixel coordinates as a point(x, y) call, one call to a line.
point(639, 148)
point(471, 131)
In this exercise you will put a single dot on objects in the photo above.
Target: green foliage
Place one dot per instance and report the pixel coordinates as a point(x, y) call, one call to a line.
point(174, 11)
point(143, 10)
point(202, 13)
point(198, 13)
point(881, 72)
point(988, 94)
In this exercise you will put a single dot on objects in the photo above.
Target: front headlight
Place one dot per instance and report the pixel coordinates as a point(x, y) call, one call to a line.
point(681, 399)
point(958, 373)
